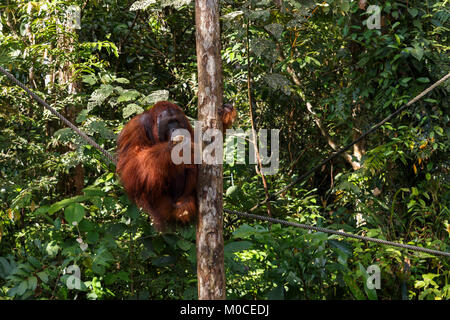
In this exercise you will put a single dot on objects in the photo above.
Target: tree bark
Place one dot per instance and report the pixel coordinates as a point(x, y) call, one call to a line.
point(210, 260)
point(75, 181)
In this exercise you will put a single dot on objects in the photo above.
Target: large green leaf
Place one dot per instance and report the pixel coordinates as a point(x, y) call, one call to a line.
point(74, 213)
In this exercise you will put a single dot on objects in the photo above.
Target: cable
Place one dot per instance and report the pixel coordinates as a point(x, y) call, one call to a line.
point(340, 151)
point(60, 116)
point(339, 233)
point(254, 216)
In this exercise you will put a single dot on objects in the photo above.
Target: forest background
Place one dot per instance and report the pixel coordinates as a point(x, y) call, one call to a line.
point(312, 69)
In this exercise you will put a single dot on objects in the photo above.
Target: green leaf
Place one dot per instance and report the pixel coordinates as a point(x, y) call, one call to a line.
point(404, 81)
point(32, 283)
point(417, 52)
point(439, 130)
point(275, 29)
point(413, 12)
point(101, 128)
point(343, 247)
point(99, 96)
point(156, 96)
point(278, 82)
point(276, 293)
point(12, 292)
point(345, 30)
point(41, 210)
point(23, 286)
point(86, 225)
point(131, 109)
point(175, 3)
point(52, 248)
point(244, 231)
point(309, 59)
point(345, 5)
point(351, 284)
point(64, 134)
point(21, 271)
point(371, 293)
point(237, 246)
point(92, 237)
point(5, 268)
point(133, 211)
point(128, 95)
point(395, 25)
point(423, 80)
point(64, 203)
point(82, 116)
point(43, 276)
point(184, 245)
point(74, 213)
point(163, 261)
point(98, 269)
point(122, 80)
point(102, 259)
point(349, 186)
point(89, 79)
point(35, 262)
point(93, 191)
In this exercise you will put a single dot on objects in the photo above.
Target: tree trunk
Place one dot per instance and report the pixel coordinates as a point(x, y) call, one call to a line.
point(210, 260)
point(75, 181)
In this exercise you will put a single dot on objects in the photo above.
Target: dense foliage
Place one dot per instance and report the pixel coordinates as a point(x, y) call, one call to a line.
point(313, 69)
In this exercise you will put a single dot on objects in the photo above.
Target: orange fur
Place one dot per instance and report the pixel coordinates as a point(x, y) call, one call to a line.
point(167, 192)
point(228, 116)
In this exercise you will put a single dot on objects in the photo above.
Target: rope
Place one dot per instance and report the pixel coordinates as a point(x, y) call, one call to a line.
point(60, 116)
point(339, 233)
point(343, 149)
point(254, 216)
